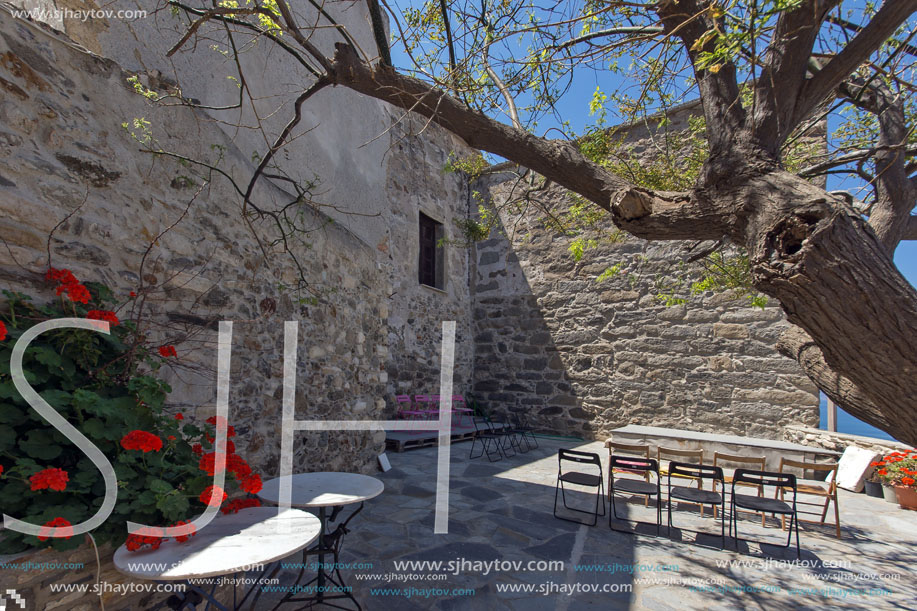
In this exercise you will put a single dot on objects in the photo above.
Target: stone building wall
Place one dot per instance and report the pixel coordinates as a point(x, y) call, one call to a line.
point(145, 223)
point(417, 183)
point(583, 357)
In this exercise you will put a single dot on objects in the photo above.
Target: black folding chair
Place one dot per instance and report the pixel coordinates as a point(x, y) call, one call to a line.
point(638, 466)
point(506, 436)
point(580, 479)
point(782, 482)
point(490, 442)
point(697, 495)
point(526, 432)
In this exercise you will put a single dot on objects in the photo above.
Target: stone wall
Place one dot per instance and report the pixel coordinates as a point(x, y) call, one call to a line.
point(583, 357)
point(75, 181)
point(417, 182)
point(839, 441)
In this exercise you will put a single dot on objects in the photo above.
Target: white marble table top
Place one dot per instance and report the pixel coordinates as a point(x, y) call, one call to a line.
point(324, 489)
point(229, 544)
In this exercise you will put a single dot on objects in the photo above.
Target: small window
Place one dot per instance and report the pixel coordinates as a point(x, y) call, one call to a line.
point(431, 259)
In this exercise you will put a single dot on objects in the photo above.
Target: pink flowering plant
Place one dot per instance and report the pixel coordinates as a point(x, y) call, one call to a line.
point(105, 385)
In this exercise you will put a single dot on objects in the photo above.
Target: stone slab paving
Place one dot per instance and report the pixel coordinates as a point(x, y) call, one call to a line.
point(502, 511)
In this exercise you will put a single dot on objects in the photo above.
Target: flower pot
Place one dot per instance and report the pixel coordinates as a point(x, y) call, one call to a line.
point(907, 497)
point(888, 492)
point(874, 489)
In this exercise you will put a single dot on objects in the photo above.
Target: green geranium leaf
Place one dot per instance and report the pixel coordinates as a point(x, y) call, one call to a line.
point(12, 415)
point(41, 445)
point(46, 356)
point(159, 486)
point(174, 506)
point(7, 438)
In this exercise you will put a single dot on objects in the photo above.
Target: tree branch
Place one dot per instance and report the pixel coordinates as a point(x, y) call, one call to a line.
point(649, 29)
point(910, 233)
point(783, 73)
point(799, 346)
point(375, 14)
point(645, 213)
point(880, 28)
point(719, 89)
point(849, 157)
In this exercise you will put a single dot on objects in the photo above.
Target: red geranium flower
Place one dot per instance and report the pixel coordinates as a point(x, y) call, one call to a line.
point(171, 437)
point(2, 331)
point(237, 504)
point(145, 536)
point(69, 284)
point(181, 538)
point(908, 481)
point(882, 472)
point(141, 440)
point(208, 463)
point(45, 533)
point(103, 315)
point(236, 465)
point(212, 495)
point(133, 294)
point(179, 416)
point(55, 479)
point(251, 484)
point(197, 448)
point(167, 351)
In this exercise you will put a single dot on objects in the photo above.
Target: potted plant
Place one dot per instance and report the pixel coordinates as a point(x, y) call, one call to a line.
point(874, 486)
point(898, 472)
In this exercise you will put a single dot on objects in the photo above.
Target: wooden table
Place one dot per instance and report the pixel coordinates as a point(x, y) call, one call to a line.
point(322, 490)
point(256, 536)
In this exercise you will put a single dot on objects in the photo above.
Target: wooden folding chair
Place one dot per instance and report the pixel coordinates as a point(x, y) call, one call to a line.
point(827, 489)
point(628, 449)
point(734, 461)
point(695, 457)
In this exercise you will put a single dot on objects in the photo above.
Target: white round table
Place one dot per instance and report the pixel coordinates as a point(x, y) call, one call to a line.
point(324, 489)
point(321, 490)
point(229, 544)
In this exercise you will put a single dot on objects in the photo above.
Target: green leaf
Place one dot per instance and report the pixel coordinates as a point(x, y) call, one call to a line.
point(39, 444)
point(46, 356)
point(159, 486)
point(97, 429)
point(56, 398)
point(174, 506)
point(12, 415)
point(7, 438)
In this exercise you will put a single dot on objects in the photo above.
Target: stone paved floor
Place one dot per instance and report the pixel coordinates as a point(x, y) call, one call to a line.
point(503, 511)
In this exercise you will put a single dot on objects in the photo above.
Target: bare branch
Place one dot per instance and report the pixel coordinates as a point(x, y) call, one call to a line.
point(857, 155)
point(719, 89)
point(880, 28)
point(649, 29)
point(783, 73)
point(317, 86)
point(375, 14)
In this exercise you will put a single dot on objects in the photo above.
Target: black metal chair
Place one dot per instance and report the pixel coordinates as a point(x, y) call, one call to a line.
point(697, 495)
point(490, 442)
point(580, 479)
point(638, 466)
point(525, 430)
point(507, 437)
point(780, 481)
